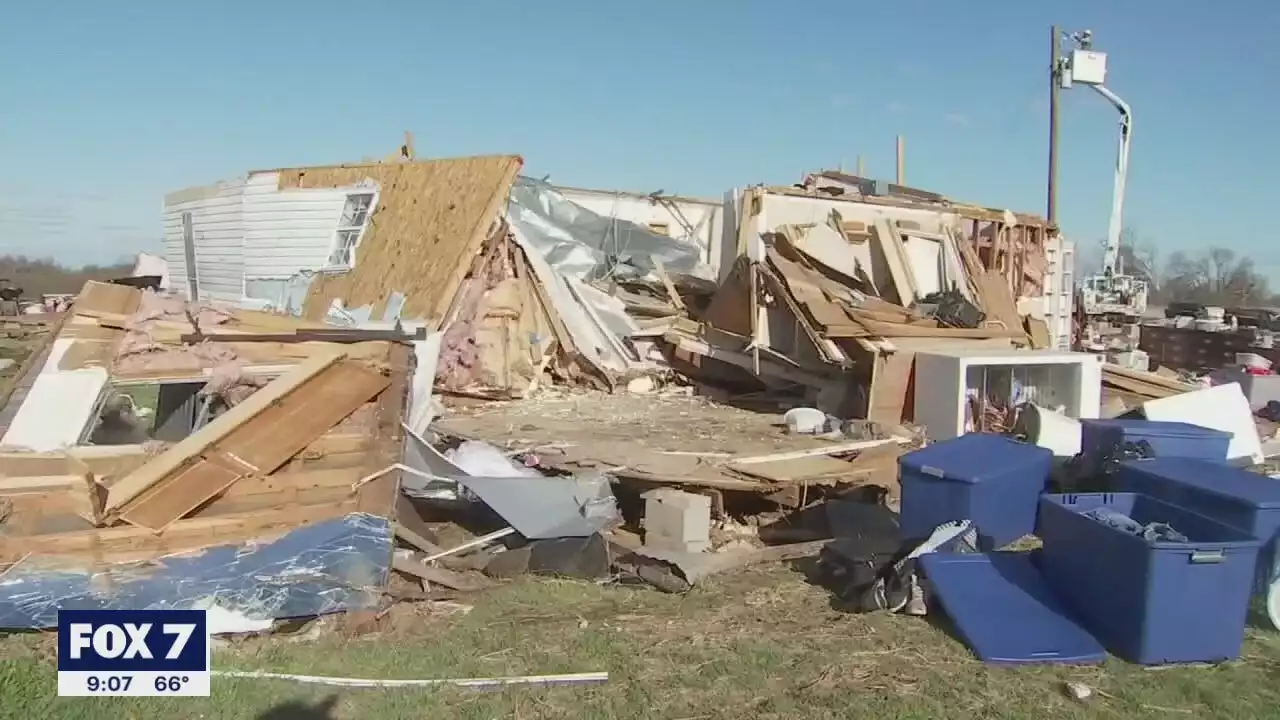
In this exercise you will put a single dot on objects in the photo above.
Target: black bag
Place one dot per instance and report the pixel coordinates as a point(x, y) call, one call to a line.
point(854, 568)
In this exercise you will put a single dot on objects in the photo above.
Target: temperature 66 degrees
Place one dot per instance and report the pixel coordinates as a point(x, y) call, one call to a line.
point(108, 683)
point(170, 683)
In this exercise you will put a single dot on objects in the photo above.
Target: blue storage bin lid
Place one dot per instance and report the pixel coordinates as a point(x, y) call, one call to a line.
point(1004, 610)
point(974, 457)
point(1258, 490)
point(1157, 428)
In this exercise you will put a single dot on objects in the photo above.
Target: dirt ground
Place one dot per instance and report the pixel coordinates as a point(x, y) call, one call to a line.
point(660, 421)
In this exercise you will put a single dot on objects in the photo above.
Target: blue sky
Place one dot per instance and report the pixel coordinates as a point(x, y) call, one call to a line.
point(109, 105)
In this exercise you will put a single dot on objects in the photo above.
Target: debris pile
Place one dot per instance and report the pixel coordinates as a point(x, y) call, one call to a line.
point(486, 380)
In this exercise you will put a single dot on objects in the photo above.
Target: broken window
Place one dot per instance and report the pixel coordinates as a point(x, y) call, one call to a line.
point(355, 217)
point(133, 413)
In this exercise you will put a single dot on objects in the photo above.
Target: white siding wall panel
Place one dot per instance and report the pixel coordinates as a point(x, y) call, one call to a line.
point(288, 230)
point(171, 222)
point(706, 216)
point(217, 224)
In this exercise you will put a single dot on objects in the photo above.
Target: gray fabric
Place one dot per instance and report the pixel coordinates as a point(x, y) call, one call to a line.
point(1151, 532)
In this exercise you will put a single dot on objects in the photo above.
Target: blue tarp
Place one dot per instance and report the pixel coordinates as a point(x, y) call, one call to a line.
point(328, 567)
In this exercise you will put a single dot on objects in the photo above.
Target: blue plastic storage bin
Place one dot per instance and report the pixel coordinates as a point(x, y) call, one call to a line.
point(1167, 439)
point(1235, 497)
point(1149, 602)
point(990, 479)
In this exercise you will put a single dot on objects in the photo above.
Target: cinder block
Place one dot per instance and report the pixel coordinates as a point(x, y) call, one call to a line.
point(677, 521)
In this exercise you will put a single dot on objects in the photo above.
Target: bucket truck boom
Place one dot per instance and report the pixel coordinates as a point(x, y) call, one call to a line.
point(1111, 293)
point(1111, 299)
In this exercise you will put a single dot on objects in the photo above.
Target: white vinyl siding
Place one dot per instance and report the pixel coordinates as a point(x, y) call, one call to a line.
point(217, 228)
point(287, 231)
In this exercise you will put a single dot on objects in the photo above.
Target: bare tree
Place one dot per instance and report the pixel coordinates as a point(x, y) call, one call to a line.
point(1217, 276)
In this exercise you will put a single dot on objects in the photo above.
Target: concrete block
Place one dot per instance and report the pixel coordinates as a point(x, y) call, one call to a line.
point(677, 521)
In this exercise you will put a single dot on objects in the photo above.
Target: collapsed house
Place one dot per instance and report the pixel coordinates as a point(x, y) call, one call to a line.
point(328, 308)
point(526, 279)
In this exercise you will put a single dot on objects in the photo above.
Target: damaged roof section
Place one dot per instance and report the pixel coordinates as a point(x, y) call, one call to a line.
point(430, 219)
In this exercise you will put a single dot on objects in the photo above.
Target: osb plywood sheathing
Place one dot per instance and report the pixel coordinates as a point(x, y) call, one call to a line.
point(431, 219)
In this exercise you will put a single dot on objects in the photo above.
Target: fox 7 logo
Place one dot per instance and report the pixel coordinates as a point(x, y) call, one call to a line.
point(127, 641)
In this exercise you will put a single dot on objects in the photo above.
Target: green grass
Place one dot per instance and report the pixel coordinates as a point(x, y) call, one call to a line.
point(761, 644)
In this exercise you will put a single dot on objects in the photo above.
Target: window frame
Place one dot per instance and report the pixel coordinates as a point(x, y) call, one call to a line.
point(343, 230)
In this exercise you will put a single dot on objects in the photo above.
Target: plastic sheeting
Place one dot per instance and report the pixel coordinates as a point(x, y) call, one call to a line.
point(580, 244)
point(319, 569)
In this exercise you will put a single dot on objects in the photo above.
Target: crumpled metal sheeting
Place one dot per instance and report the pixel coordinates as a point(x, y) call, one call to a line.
point(319, 569)
point(549, 507)
point(584, 245)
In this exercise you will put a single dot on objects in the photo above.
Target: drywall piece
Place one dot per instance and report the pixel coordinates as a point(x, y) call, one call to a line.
point(152, 265)
point(677, 521)
point(945, 380)
point(426, 354)
point(57, 409)
point(925, 256)
point(889, 243)
point(1222, 407)
point(833, 249)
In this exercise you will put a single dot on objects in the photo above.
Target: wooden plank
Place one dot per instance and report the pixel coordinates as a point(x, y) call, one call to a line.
point(52, 495)
point(794, 469)
point(260, 445)
point(889, 384)
point(462, 582)
point(175, 457)
point(104, 543)
point(892, 330)
point(378, 496)
point(661, 271)
point(832, 449)
point(107, 297)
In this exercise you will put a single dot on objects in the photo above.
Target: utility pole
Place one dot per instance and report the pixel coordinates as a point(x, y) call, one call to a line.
point(1055, 63)
point(902, 167)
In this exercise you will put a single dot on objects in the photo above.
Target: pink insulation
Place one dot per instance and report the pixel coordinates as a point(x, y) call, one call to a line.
point(138, 351)
point(458, 349)
point(229, 381)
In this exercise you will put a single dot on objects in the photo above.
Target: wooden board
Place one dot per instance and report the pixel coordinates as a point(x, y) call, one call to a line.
point(890, 382)
point(281, 428)
point(794, 469)
point(176, 456)
point(99, 297)
point(378, 496)
point(126, 542)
